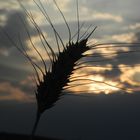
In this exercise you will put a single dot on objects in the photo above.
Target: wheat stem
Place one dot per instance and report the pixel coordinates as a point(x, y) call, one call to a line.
point(38, 115)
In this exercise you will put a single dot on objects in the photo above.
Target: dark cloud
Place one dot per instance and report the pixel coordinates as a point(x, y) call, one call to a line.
point(113, 74)
point(14, 67)
point(138, 36)
point(2, 11)
point(16, 78)
point(13, 28)
point(16, 27)
point(11, 74)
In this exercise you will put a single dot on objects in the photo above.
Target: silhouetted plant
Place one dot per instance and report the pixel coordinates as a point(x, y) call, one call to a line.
point(57, 76)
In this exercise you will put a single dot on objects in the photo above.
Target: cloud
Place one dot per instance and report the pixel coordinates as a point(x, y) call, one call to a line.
point(88, 14)
point(107, 16)
point(9, 73)
point(132, 76)
point(9, 5)
point(133, 26)
point(27, 81)
point(125, 37)
point(92, 80)
point(4, 52)
point(10, 92)
point(13, 27)
point(63, 5)
point(2, 19)
point(124, 66)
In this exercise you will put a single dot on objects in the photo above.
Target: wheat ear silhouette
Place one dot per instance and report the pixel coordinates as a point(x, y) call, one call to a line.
point(62, 65)
point(57, 76)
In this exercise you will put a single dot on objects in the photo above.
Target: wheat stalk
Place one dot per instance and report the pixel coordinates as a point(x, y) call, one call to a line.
point(55, 78)
point(62, 65)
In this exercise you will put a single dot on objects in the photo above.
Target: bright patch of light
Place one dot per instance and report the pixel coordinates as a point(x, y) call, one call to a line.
point(102, 86)
point(131, 75)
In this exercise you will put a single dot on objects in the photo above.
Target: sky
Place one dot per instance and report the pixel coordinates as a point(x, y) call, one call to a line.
point(116, 21)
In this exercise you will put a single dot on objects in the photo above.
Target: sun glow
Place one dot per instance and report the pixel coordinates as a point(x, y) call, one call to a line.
point(96, 84)
point(102, 86)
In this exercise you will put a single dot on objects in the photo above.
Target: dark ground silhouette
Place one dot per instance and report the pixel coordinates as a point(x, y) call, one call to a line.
point(10, 136)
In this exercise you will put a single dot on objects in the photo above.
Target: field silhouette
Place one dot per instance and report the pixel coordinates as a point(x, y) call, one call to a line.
point(8, 136)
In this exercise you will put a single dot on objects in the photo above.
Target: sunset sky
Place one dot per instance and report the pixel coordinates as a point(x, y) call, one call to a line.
point(116, 21)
